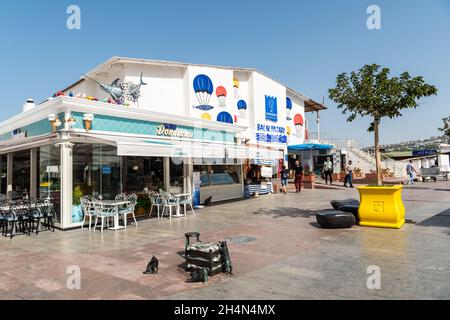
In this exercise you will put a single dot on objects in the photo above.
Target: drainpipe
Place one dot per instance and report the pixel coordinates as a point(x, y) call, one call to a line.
point(318, 126)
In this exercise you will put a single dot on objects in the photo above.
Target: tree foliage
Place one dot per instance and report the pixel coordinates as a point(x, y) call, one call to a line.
point(446, 128)
point(372, 92)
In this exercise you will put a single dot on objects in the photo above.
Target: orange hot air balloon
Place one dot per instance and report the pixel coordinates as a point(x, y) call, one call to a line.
point(221, 94)
point(298, 120)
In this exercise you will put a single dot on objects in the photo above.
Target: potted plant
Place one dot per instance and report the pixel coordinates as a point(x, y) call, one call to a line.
point(308, 178)
point(77, 212)
point(143, 204)
point(371, 91)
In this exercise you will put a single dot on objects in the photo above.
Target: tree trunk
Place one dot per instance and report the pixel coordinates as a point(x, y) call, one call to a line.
point(377, 152)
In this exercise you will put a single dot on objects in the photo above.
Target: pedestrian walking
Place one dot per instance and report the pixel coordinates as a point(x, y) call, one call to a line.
point(298, 176)
point(349, 174)
point(410, 172)
point(284, 179)
point(328, 170)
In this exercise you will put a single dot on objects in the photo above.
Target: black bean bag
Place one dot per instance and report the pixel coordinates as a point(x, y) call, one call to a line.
point(336, 204)
point(351, 208)
point(333, 219)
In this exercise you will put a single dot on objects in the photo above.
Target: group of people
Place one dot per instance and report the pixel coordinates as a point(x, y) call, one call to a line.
point(327, 174)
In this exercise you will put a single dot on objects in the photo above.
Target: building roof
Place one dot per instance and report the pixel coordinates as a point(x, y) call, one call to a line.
point(310, 104)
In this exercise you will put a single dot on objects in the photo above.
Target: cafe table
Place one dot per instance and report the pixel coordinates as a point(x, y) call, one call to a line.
point(116, 205)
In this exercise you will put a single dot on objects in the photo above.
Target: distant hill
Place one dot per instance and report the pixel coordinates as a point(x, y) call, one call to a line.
point(423, 144)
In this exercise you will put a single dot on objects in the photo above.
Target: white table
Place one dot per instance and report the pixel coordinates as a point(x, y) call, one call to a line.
point(116, 204)
point(178, 214)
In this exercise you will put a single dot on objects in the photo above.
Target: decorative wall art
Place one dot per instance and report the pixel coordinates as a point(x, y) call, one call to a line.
point(242, 107)
point(225, 117)
point(236, 87)
point(203, 88)
point(206, 116)
point(123, 91)
point(299, 122)
point(288, 108)
point(221, 93)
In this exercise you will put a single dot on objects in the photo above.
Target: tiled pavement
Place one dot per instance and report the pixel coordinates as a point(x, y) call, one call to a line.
point(290, 257)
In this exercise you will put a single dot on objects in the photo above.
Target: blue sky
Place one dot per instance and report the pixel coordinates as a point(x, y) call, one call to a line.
point(304, 44)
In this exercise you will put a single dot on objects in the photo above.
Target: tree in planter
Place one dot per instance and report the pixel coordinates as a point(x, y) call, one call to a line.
point(446, 128)
point(372, 92)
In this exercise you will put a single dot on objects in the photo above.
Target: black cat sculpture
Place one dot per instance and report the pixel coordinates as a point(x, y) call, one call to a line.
point(227, 266)
point(200, 275)
point(152, 266)
point(208, 201)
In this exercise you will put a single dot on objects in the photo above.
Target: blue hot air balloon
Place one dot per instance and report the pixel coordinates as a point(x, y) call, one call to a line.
point(288, 103)
point(203, 88)
point(242, 105)
point(288, 108)
point(225, 117)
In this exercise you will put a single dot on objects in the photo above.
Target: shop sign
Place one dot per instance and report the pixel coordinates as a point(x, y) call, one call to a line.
point(421, 153)
point(271, 109)
point(18, 134)
point(270, 134)
point(171, 130)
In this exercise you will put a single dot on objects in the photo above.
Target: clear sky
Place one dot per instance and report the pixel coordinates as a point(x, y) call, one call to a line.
point(302, 43)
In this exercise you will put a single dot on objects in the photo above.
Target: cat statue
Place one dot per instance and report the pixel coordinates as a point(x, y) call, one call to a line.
point(152, 266)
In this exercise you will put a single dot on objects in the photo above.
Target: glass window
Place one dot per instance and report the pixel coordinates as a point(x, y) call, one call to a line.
point(49, 173)
point(176, 172)
point(96, 170)
point(211, 175)
point(21, 172)
point(142, 172)
point(3, 172)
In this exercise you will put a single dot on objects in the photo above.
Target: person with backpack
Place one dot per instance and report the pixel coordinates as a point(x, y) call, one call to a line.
point(284, 179)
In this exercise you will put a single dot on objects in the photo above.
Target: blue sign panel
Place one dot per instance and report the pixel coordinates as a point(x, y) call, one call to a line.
point(271, 109)
point(421, 153)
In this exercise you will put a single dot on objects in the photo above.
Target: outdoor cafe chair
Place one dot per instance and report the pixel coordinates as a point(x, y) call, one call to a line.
point(103, 213)
point(48, 211)
point(35, 213)
point(121, 197)
point(88, 211)
point(169, 202)
point(188, 200)
point(129, 209)
point(18, 218)
point(155, 201)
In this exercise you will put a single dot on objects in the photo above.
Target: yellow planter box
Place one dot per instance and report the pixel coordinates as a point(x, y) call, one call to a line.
point(381, 207)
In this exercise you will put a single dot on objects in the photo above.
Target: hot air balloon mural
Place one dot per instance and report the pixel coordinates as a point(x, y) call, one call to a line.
point(221, 94)
point(225, 117)
point(299, 122)
point(242, 107)
point(288, 130)
point(288, 108)
point(203, 88)
point(206, 116)
point(236, 86)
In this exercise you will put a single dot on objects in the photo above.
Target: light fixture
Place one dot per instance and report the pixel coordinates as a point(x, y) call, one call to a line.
point(135, 167)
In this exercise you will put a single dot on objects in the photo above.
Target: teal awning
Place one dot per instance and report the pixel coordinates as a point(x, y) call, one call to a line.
point(310, 146)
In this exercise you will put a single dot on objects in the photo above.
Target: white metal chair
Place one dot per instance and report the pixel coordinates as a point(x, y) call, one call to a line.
point(169, 202)
point(121, 197)
point(102, 213)
point(187, 201)
point(88, 211)
point(155, 200)
point(129, 209)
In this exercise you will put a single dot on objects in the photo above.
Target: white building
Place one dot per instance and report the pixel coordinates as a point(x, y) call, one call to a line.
point(132, 124)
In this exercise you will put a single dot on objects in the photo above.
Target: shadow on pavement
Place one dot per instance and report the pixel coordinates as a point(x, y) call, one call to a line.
point(288, 212)
point(440, 220)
